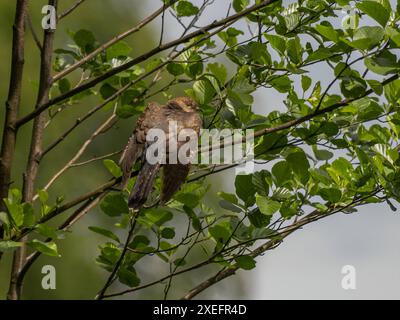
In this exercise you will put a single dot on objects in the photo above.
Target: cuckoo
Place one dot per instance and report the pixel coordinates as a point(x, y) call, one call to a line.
point(184, 113)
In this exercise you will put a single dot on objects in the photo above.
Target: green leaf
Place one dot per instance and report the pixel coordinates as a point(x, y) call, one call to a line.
point(294, 50)
point(260, 54)
point(104, 232)
point(322, 154)
point(9, 245)
point(366, 38)
point(277, 42)
point(299, 164)
point(107, 90)
point(270, 144)
point(192, 216)
point(321, 53)
point(128, 277)
point(245, 189)
point(47, 248)
point(113, 168)
point(14, 206)
point(260, 181)
point(204, 91)
point(186, 9)
point(353, 87)
point(328, 32)
point(43, 196)
point(332, 195)
point(228, 197)
point(46, 231)
point(267, 206)
point(158, 216)
point(126, 111)
point(221, 232)
point(258, 219)
point(180, 262)
point(219, 71)
point(167, 233)
point(305, 82)
point(120, 49)
point(114, 205)
point(230, 36)
point(245, 262)
point(239, 5)
point(110, 254)
point(383, 63)
point(230, 206)
point(64, 85)
point(281, 83)
point(194, 65)
point(188, 199)
point(85, 40)
point(394, 35)
point(176, 69)
point(139, 241)
point(375, 10)
point(29, 215)
point(376, 86)
point(282, 172)
point(392, 91)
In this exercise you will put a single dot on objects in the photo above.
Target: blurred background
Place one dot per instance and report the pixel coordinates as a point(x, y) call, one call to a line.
point(306, 266)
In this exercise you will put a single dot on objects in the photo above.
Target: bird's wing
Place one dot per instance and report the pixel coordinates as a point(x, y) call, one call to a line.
point(174, 175)
point(136, 142)
point(132, 151)
point(144, 183)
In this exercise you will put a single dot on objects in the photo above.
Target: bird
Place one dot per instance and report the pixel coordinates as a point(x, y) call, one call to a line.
point(184, 113)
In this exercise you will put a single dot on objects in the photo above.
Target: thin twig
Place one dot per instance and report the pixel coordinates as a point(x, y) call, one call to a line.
point(70, 10)
point(82, 149)
point(12, 104)
point(32, 167)
point(33, 32)
point(110, 279)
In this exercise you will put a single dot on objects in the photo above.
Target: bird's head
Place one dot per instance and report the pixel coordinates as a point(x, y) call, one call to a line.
point(185, 103)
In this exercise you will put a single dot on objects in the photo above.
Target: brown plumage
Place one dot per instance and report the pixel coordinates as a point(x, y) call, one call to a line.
point(183, 111)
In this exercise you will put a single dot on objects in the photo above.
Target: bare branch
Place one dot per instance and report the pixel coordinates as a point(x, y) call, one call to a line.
point(71, 9)
point(32, 29)
point(82, 149)
point(106, 156)
point(12, 104)
point(15, 289)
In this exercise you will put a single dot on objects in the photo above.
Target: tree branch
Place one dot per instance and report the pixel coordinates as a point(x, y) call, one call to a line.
point(70, 10)
point(15, 289)
point(216, 24)
point(110, 279)
point(77, 215)
point(113, 182)
point(273, 243)
point(12, 104)
point(111, 42)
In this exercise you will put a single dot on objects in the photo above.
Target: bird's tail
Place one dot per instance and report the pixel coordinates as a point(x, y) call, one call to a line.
point(143, 185)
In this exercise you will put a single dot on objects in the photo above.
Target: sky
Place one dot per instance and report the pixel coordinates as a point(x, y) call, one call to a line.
point(308, 265)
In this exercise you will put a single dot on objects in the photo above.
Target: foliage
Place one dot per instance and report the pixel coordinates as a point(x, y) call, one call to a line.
point(329, 151)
